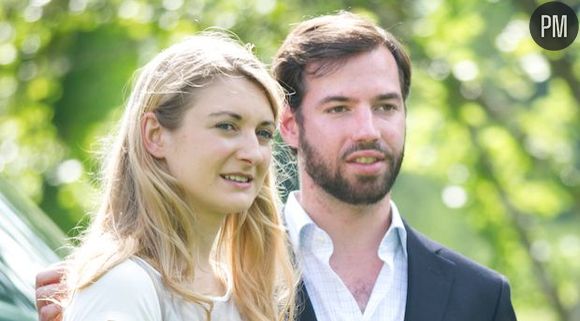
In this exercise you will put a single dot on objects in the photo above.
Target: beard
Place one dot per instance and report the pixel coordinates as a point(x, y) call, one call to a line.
point(361, 190)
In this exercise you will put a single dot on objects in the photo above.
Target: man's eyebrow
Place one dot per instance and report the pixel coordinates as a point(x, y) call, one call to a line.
point(389, 96)
point(344, 99)
point(328, 99)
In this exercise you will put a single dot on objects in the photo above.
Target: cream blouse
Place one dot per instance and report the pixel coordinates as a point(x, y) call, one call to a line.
point(133, 291)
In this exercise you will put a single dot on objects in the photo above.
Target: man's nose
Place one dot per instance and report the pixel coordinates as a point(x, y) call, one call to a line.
point(365, 128)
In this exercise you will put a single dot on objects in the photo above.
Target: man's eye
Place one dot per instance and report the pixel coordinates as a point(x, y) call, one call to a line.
point(386, 107)
point(337, 109)
point(226, 126)
point(265, 134)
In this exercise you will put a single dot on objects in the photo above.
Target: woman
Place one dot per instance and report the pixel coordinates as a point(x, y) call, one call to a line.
point(188, 227)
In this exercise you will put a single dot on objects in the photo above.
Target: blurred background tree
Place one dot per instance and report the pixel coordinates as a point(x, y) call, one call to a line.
point(492, 165)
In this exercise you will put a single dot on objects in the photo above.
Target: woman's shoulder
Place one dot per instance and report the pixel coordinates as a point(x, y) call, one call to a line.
point(125, 292)
point(129, 276)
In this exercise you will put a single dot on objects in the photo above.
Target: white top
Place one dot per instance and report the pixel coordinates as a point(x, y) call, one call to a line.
point(133, 291)
point(330, 298)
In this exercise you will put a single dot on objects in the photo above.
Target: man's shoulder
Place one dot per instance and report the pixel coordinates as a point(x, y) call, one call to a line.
point(468, 290)
point(464, 266)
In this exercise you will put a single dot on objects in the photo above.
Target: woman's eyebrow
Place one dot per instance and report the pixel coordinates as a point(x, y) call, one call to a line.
point(239, 117)
point(268, 123)
point(226, 113)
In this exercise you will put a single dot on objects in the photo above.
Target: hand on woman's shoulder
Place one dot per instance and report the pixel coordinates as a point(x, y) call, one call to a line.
point(125, 293)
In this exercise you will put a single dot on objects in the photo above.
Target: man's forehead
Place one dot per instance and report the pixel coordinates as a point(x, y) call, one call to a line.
point(379, 60)
point(322, 68)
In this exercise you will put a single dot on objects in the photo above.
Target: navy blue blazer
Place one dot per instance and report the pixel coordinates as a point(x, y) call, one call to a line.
point(443, 286)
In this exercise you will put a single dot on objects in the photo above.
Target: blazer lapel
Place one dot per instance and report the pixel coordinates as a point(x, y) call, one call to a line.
point(304, 306)
point(430, 278)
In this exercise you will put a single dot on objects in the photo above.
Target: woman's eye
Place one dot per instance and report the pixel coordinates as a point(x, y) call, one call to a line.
point(265, 134)
point(226, 126)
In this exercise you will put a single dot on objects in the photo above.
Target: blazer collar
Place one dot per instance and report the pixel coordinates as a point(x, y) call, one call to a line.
point(430, 278)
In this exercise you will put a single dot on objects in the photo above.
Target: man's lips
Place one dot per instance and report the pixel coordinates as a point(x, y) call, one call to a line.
point(365, 157)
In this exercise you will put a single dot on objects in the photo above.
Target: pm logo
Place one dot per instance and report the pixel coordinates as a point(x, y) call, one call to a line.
point(554, 26)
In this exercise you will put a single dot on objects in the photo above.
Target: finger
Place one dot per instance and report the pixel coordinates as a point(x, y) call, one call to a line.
point(51, 312)
point(52, 274)
point(45, 295)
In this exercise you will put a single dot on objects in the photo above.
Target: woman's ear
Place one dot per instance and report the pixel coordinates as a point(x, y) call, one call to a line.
point(152, 134)
point(289, 127)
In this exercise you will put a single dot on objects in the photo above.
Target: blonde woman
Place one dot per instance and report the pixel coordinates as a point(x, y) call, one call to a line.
point(188, 227)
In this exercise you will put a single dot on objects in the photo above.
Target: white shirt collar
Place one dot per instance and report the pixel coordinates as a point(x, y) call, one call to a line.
point(298, 221)
point(396, 234)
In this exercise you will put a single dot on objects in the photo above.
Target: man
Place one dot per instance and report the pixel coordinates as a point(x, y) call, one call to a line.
point(348, 81)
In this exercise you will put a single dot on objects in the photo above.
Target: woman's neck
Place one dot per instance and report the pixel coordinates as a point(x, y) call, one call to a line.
point(208, 226)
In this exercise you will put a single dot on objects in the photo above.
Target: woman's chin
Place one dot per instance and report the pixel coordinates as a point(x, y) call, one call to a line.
point(236, 207)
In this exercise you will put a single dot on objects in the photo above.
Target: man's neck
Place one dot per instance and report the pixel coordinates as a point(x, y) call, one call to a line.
point(342, 221)
point(356, 232)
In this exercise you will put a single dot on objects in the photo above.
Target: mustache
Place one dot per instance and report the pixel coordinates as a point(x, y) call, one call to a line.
point(374, 146)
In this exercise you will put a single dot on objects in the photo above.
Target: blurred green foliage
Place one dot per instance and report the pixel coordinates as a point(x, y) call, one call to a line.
point(492, 165)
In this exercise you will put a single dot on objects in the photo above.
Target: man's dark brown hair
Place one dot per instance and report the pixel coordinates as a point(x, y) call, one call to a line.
point(326, 42)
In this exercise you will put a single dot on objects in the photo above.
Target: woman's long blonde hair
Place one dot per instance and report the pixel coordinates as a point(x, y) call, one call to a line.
point(143, 212)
